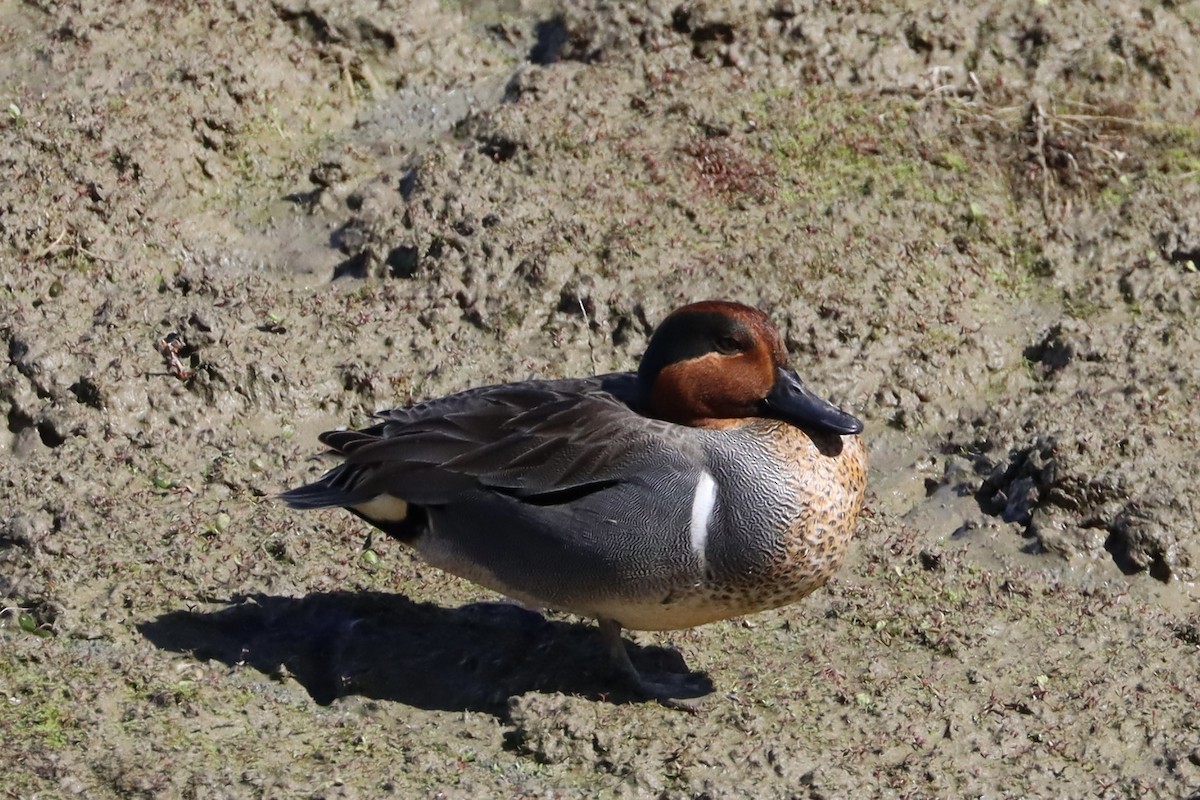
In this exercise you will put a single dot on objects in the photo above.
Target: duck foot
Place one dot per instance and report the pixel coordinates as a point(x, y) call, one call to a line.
point(680, 691)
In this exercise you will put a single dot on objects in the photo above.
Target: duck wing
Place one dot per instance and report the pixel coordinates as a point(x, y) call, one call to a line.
point(541, 442)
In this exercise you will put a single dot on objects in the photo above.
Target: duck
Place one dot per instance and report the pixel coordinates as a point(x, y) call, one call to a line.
point(711, 483)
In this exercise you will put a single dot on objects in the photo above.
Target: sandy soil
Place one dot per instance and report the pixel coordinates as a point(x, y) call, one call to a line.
point(226, 226)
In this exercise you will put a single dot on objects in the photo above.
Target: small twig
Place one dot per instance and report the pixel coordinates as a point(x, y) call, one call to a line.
point(78, 248)
point(90, 254)
point(1115, 155)
point(53, 245)
point(1039, 129)
point(368, 76)
point(347, 77)
point(1106, 118)
point(974, 79)
point(588, 327)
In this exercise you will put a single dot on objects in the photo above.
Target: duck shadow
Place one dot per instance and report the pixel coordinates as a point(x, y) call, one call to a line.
point(386, 647)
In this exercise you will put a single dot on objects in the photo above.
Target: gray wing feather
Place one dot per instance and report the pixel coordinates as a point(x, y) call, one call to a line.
point(526, 440)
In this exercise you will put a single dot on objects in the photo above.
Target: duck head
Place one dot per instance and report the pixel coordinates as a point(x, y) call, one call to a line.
point(714, 362)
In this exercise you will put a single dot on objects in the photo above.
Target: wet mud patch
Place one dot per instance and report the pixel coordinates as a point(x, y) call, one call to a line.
point(1066, 513)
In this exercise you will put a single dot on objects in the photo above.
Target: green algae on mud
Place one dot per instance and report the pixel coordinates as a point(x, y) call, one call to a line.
point(972, 223)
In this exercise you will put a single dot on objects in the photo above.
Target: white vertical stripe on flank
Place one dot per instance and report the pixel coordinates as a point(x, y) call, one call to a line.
point(702, 508)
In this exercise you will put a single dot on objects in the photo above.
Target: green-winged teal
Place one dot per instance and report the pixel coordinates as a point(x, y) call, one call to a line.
point(709, 484)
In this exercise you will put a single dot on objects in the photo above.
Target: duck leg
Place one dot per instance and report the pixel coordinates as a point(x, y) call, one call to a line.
point(673, 690)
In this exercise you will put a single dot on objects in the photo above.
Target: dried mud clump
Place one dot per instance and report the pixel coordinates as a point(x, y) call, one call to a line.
point(1068, 511)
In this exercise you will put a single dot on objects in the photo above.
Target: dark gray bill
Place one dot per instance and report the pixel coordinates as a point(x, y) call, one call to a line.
point(791, 401)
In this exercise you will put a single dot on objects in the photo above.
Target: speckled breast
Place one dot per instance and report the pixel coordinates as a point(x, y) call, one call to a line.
point(788, 507)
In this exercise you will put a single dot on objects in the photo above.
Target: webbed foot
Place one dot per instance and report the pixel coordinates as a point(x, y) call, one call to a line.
point(680, 691)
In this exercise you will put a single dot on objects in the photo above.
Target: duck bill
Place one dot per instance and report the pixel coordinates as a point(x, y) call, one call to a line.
point(791, 401)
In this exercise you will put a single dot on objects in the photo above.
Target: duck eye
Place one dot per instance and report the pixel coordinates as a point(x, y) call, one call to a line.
point(728, 345)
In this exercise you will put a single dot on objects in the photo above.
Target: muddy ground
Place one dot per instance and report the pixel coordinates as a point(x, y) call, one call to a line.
point(226, 226)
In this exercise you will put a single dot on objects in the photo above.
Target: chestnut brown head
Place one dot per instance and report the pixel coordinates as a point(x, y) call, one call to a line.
point(712, 362)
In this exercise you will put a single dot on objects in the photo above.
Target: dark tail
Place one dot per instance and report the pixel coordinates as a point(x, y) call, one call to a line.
point(328, 492)
point(325, 492)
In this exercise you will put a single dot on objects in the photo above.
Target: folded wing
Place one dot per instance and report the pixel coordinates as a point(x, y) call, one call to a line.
point(541, 442)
